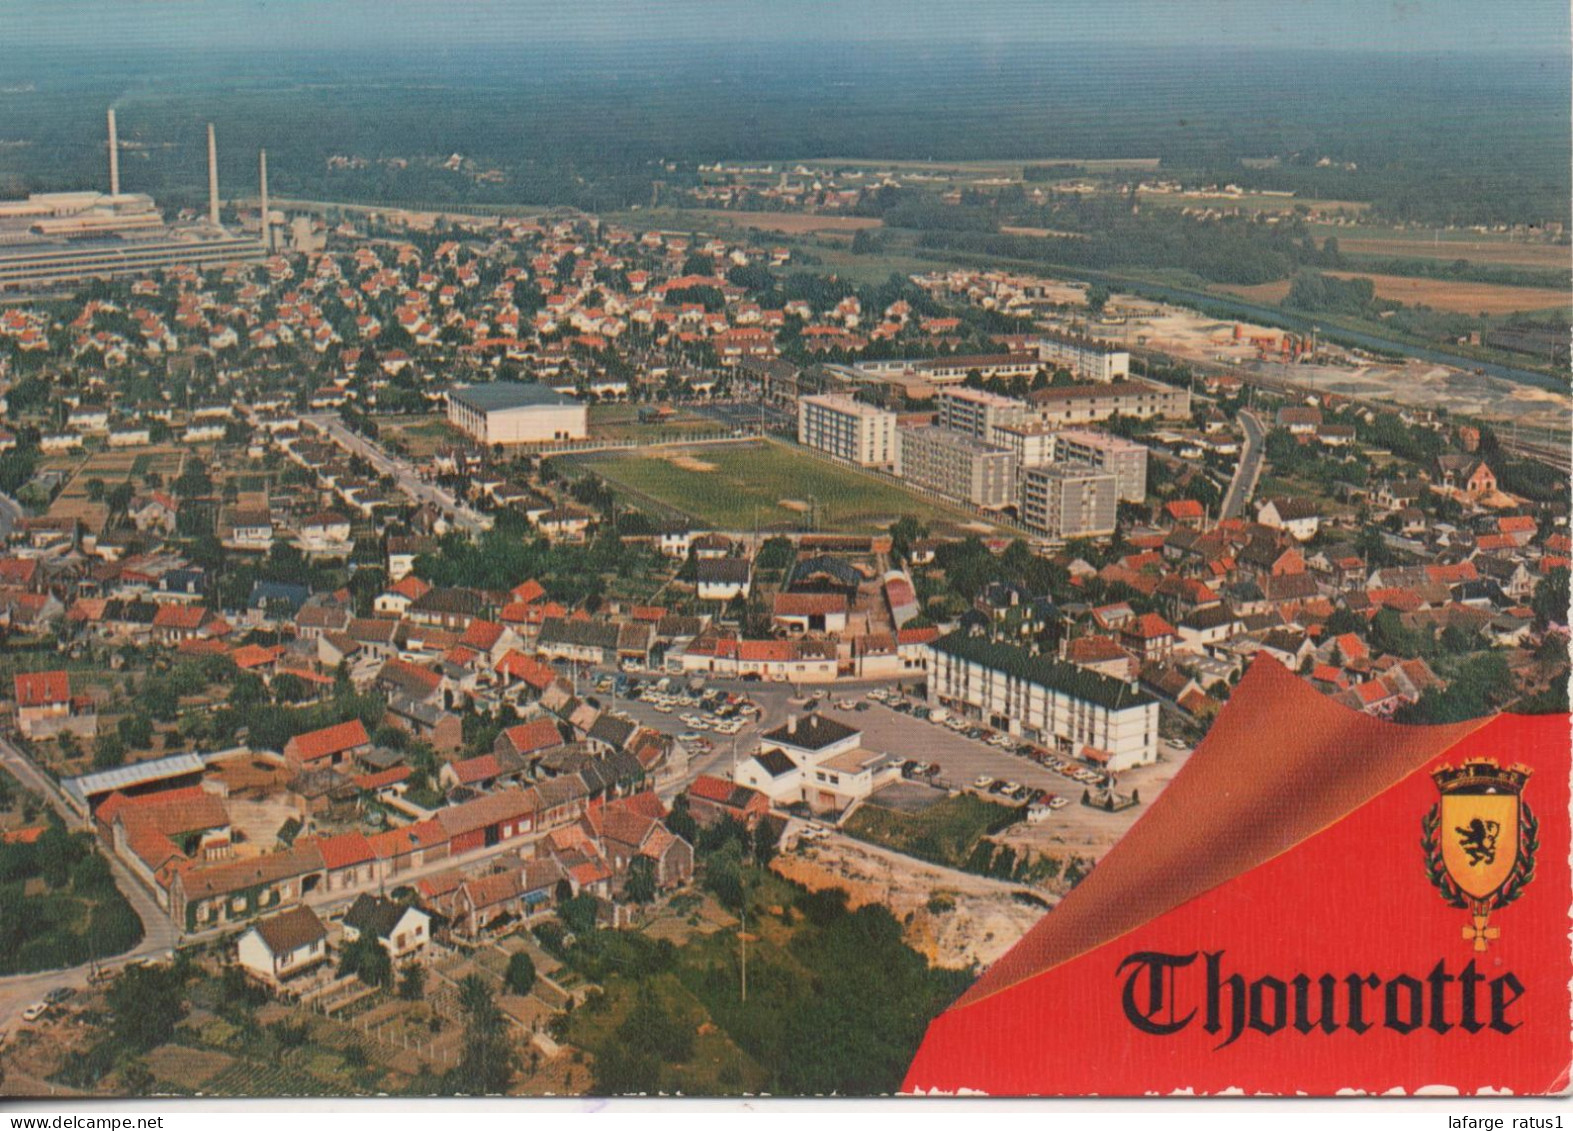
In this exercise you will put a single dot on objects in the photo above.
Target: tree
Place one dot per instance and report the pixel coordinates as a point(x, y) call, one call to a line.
point(1550, 602)
point(520, 976)
point(108, 752)
point(412, 983)
point(145, 1005)
point(639, 887)
point(488, 1060)
point(95, 490)
point(578, 914)
point(366, 959)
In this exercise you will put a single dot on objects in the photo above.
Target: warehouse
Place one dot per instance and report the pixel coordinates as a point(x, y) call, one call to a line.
point(507, 412)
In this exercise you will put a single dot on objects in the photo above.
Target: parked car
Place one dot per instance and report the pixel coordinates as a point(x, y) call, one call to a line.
point(35, 1011)
point(982, 781)
point(59, 994)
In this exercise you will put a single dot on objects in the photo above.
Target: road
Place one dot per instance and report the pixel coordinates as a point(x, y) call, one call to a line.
point(159, 935)
point(402, 471)
point(10, 515)
point(1249, 469)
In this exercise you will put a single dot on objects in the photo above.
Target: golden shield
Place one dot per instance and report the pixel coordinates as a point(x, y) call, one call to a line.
point(1479, 836)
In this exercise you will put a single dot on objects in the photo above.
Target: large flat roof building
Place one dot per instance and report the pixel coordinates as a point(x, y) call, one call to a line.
point(847, 429)
point(957, 466)
point(1063, 500)
point(1125, 459)
point(1083, 404)
point(510, 412)
point(977, 412)
point(1085, 357)
point(1077, 711)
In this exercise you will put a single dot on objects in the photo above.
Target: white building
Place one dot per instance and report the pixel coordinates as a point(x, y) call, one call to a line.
point(1125, 459)
point(1076, 711)
point(1061, 500)
point(818, 761)
point(1085, 357)
point(957, 466)
point(847, 429)
point(977, 412)
point(284, 946)
point(1083, 404)
point(507, 412)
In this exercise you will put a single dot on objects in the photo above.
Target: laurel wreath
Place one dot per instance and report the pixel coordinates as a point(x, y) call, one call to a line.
point(1523, 868)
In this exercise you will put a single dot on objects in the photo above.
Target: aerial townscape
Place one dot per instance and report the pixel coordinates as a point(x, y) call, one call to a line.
point(478, 625)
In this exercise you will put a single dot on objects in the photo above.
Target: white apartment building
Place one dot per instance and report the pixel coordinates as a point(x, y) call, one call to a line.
point(1125, 459)
point(1074, 710)
point(977, 412)
point(1030, 442)
point(957, 466)
point(1085, 357)
point(847, 429)
point(1062, 500)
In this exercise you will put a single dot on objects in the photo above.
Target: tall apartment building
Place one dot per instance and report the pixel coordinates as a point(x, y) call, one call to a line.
point(1031, 441)
point(847, 429)
point(1084, 404)
point(1124, 459)
point(1077, 711)
point(1060, 500)
point(977, 412)
point(1085, 357)
point(957, 466)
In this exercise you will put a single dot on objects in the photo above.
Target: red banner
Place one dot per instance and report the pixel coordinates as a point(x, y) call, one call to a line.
point(1320, 902)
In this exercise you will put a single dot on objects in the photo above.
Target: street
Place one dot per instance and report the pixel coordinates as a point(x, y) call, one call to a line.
point(1249, 469)
point(408, 479)
point(159, 935)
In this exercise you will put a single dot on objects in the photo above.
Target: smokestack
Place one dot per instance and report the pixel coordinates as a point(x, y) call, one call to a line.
point(262, 169)
point(212, 178)
point(114, 156)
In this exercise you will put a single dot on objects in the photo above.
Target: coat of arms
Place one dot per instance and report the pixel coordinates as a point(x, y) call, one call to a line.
point(1480, 841)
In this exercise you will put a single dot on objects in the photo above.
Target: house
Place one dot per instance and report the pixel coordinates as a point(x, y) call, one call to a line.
point(330, 746)
point(404, 931)
point(282, 947)
point(712, 799)
point(1148, 637)
point(1299, 517)
point(723, 579)
point(45, 707)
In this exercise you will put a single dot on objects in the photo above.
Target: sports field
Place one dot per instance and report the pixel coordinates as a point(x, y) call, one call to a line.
point(731, 486)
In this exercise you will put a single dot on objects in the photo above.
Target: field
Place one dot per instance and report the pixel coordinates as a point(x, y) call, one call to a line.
point(1253, 202)
point(791, 223)
point(1439, 294)
point(621, 422)
point(944, 833)
point(1448, 246)
point(731, 486)
point(421, 436)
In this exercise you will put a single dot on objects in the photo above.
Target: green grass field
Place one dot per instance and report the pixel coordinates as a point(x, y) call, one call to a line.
point(728, 486)
point(944, 833)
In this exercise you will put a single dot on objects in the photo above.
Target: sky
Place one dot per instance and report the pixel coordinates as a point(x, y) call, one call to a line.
point(105, 27)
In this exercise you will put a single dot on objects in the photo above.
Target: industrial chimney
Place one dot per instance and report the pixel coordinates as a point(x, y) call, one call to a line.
point(262, 170)
point(212, 178)
point(114, 156)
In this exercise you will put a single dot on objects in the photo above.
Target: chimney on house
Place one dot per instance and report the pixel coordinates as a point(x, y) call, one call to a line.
point(114, 156)
point(212, 177)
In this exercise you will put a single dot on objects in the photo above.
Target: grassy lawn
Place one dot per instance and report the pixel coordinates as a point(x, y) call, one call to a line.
point(728, 486)
point(621, 422)
point(944, 833)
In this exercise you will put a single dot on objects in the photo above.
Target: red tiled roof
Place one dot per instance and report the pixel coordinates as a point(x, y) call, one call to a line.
point(479, 768)
point(324, 743)
point(539, 734)
point(345, 850)
point(38, 689)
point(528, 593)
point(381, 778)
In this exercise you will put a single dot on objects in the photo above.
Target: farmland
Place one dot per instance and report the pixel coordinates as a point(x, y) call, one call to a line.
point(1439, 294)
point(731, 486)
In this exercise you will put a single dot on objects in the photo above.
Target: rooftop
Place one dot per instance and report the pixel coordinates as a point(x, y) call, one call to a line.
point(498, 396)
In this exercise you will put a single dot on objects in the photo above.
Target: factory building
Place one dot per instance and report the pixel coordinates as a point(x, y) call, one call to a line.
point(65, 236)
point(507, 412)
